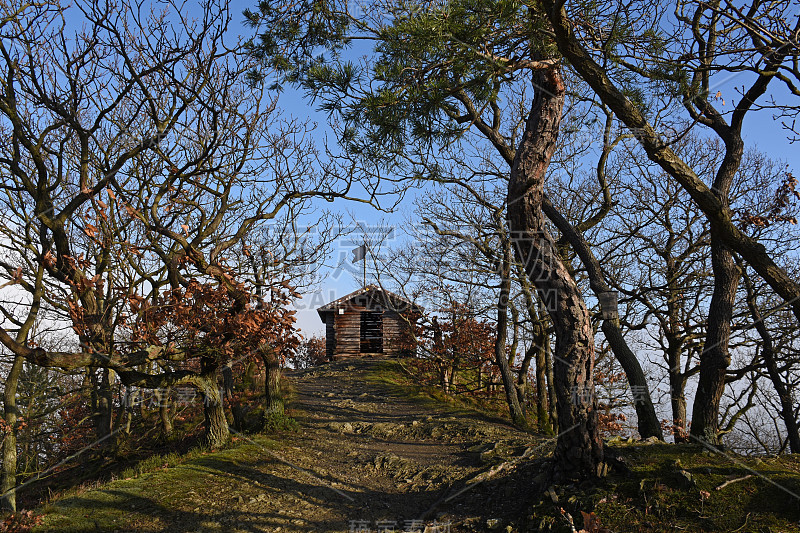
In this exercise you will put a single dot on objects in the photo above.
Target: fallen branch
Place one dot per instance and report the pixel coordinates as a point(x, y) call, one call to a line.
point(406, 370)
point(748, 476)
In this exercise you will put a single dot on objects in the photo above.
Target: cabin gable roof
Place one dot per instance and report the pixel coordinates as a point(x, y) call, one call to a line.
point(387, 298)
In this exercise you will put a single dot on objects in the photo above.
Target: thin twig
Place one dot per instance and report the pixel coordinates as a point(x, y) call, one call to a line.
point(748, 476)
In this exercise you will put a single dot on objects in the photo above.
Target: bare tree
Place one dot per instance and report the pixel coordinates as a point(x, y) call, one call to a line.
point(136, 159)
point(708, 39)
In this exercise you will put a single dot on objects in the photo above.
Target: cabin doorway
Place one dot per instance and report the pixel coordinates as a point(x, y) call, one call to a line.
point(371, 332)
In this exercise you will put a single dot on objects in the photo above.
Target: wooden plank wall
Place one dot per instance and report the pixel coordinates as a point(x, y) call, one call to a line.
point(348, 332)
point(330, 335)
point(343, 333)
point(392, 330)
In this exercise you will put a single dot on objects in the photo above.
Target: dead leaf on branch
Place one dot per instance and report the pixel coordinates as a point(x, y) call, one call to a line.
point(16, 277)
point(591, 524)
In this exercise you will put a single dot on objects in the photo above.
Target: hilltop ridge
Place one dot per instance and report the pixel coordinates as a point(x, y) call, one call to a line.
point(373, 452)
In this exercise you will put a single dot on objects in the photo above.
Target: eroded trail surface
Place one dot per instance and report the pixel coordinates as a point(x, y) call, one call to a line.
point(372, 457)
point(366, 459)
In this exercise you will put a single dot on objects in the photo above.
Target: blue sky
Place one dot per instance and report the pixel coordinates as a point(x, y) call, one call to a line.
point(761, 131)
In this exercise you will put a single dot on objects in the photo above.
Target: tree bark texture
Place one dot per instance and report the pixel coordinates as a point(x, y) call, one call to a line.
point(102, 407)
point(8, 478)
point(648, 424)
point(237, 410)
point(677, 385)
point(216, 424)
point(273, 397)
point(715, 358)
point(163, 411)
point(579, 449)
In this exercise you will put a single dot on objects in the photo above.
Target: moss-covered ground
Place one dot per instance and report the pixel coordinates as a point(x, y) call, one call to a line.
point(373, 443)
point(160, 494)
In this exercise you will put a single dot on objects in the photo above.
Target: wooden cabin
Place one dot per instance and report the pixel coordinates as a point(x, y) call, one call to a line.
point(370, 322)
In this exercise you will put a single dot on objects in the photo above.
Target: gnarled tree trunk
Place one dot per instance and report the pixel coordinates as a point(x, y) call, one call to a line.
point(579, 449)
point(715, 358)
point(216, 424)
point(237, 410)
point(102, 406)
point(8, 479)
point(677, 387)
point(648, 424)
point(163, 411)
point(274, 405)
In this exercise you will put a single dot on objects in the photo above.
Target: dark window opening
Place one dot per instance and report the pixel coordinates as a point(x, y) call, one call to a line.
point(371, 332)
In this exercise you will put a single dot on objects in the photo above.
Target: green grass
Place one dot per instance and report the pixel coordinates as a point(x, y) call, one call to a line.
point(275, 422)
point(156, 492)
point(399, 380)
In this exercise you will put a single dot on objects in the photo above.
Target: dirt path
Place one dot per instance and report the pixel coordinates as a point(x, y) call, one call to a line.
point(365, 459)
point(368, 460)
